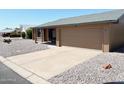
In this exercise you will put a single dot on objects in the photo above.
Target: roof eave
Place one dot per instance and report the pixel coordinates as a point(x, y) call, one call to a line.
point(101, 22)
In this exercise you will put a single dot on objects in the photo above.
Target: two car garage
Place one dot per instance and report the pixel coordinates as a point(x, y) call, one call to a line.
point(82, 37)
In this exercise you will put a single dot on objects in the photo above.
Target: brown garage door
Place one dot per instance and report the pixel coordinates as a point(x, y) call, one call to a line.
point(79, 37)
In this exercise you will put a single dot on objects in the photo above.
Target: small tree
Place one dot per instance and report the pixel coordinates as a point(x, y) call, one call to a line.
point(23, 35)
point(29, 33)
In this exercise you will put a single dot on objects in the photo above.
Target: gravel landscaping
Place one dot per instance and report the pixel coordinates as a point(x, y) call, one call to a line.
point(92, 72)
point(20, 46)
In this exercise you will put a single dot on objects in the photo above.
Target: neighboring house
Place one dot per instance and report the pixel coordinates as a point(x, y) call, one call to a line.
point(101, 31)
point(6, 31)
point(17, 30)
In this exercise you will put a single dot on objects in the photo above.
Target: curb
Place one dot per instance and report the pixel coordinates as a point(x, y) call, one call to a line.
point(22, 72)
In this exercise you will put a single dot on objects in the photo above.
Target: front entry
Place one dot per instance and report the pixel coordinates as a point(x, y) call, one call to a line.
point(50, 36)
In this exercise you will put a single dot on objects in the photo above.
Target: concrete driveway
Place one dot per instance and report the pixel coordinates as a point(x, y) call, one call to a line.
point(48, 63)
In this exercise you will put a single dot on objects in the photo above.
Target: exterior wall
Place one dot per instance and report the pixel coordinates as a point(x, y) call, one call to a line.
point(58, 37)
point(86, 36)
point(117, 34)
point(42, 35)
point(94, 36)
point(46, 35)
point(33, 33)
point(106, 38)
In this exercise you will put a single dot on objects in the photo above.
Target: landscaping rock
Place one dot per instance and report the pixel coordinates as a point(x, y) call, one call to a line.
point(107, 66)
point(7, 40)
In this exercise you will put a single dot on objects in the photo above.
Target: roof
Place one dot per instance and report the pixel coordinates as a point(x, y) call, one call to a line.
point(7, 30)
point(110, 16)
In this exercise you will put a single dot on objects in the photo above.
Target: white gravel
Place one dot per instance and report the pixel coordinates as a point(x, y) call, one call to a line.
point(20, 46)
point(91, 72)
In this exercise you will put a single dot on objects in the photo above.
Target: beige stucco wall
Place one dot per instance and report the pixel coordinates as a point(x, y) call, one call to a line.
point(93, 36)
point(85, 36)
point(117, 34)
point(58, 37)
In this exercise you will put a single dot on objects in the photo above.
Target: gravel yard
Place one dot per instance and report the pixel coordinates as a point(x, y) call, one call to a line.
point(91, 72)
point(19, 46)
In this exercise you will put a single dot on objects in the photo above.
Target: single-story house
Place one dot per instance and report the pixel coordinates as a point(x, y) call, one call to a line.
point(101, 31)
point(6, 31)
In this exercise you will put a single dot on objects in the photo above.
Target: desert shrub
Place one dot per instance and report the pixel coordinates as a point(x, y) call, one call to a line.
point(29, 33)
point(23, 35)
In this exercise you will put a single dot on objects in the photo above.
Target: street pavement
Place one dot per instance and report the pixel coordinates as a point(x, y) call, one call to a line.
point(8, 76)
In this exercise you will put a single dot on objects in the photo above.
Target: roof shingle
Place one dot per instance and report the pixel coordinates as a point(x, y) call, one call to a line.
point(111, 16)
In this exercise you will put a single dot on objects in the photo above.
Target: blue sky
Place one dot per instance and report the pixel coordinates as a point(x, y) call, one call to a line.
point(13, 18)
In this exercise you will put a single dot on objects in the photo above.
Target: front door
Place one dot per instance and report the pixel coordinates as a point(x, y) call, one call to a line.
point(52, 36)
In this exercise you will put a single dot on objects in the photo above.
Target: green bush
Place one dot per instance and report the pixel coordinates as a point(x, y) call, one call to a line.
point(29, 33)
point(23, 35)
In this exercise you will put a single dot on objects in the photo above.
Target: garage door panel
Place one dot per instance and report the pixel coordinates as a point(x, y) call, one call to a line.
point(88, 38)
